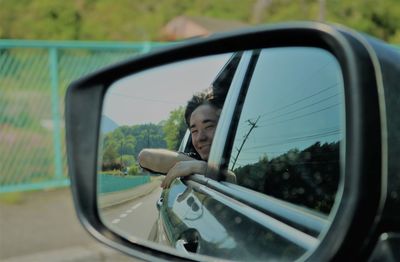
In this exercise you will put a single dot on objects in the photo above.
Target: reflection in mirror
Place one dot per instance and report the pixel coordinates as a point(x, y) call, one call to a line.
point(284, 165)
point(141, 112)
point(291, 127)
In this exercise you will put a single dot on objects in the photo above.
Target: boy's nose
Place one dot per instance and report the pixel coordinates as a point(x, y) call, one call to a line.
point(202, 135)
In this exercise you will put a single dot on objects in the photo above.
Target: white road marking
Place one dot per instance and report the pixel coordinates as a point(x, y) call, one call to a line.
point(137, 205)
point(116, 221)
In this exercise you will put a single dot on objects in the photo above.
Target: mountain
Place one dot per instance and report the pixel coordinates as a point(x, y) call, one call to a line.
point(107, 125)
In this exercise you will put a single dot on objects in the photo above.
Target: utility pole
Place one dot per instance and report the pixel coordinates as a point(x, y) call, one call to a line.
point(253, 124)
point(148, 135)
point(120, 155)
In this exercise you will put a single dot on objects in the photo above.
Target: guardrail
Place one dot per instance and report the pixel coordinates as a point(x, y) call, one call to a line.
point(112, 183)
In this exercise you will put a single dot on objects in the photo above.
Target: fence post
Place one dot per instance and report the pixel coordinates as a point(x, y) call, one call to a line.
point(146, 47)
point(55, 109)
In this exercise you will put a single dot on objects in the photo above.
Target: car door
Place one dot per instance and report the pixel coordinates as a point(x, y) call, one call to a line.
point(179, 204)
point(284, 148)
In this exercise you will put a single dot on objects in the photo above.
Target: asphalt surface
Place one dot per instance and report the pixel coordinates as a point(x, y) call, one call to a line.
point(135, 217)
point(43, 226)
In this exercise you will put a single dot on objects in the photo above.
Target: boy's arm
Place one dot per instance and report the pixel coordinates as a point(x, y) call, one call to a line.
point(160, 160)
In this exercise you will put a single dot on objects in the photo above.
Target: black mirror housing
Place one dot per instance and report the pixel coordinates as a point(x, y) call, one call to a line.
point(371, 70)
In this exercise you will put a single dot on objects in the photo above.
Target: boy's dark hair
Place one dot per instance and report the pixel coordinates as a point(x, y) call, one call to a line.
point(208, 97)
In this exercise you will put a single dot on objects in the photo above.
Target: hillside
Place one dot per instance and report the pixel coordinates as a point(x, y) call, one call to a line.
point(126, 20)
point(107, 124)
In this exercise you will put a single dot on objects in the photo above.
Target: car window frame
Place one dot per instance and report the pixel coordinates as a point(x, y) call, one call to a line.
point(186, 144)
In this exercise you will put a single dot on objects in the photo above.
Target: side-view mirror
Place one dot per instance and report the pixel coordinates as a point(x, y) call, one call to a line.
point(283, 141)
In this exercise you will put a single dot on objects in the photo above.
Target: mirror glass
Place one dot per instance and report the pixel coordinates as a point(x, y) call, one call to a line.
point(281, 181)
point(145, 110)
point(287, 143)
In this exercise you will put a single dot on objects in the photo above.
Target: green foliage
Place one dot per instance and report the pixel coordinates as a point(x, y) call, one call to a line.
point(128, 160)
point(12, 198)
point(27, 155)
point(309, 177)
point(378, 18)
point(146, 136)
point(125, 143)
point(44, 19)
point(133, 170)
point(175, 128)
point(110, 153)
point(111, 173)
point(126, 20)
point(239, 10)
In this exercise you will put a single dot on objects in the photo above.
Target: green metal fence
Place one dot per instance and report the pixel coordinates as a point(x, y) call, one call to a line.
point(34, 76)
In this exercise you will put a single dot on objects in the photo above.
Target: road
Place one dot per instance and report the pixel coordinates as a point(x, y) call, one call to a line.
point(42, 226)
point(135, 217)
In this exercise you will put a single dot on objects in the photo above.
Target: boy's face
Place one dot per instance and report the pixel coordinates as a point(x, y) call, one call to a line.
point(203, 122)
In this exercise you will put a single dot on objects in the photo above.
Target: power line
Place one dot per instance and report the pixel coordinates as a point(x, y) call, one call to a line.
point(295, 163)
point(304, 115)
point(305, 80)
point(300, 100)
point(304, 133)
point(301, 108)
point(144, 98)
point(298, 139)
point(324, 134)
point(268, 153)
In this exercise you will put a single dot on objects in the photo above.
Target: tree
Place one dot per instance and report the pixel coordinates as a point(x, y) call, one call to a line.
point(46, 19)
point(85, 19)
point(128, 160)
point(148, 136)
point(175, 128)
point(110, 153)
point(133, 170)
point(309, 177)
point(128, 145)
point(129, 141)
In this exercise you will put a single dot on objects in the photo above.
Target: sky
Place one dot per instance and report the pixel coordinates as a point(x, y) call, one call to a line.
point(296, 93)
point(296, 98)
point(149, 96)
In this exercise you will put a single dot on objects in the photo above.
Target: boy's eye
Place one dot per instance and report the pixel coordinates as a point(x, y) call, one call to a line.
point(193, 131)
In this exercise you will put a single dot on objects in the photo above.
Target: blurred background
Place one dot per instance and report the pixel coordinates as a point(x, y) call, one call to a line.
point(46, 44)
